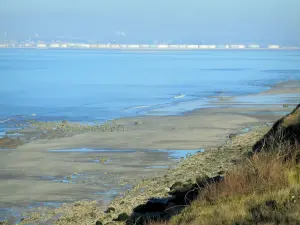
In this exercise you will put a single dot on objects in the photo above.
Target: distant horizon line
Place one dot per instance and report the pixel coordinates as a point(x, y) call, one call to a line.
point(78, 45)
point(39, 40)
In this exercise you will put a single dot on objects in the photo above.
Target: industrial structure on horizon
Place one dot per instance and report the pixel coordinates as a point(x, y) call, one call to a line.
point(73, 45)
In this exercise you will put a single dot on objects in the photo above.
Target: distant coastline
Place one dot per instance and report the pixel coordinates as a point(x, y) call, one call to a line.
point(157, 49)
point(143, 47)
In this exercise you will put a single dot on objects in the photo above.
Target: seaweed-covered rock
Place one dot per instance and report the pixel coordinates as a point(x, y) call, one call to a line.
point(285, 131)
point(110, 210)
point(9, 143)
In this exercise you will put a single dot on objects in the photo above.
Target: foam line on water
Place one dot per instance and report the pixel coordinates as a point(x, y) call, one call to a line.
point(137, 107)
point(179, 96)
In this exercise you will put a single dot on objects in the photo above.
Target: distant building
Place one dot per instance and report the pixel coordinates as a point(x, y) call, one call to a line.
point(152, 46)
point(192, 46)
point(273, 46)
point(41, 45)
point(173, 46)
point(253, 46)
point(237, 46)
point(133, 46)
point(211, 46)
point(182, 46)
point(28, 45)
point(203, 46)
point(84, 45)
point(94, 45)
point(162, 46)
point(71, 45)
point(101, 46)
point(115, 46)
point(54, 45)
point(144, 46)
point(3, 46)
point(123, 46)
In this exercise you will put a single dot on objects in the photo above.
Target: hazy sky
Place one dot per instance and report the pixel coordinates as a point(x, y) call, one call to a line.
point(220, 21)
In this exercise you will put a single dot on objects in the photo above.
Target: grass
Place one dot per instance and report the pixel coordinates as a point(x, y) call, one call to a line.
point(264, 189)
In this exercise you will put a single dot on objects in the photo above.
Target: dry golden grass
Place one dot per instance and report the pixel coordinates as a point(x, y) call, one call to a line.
point(265, 189)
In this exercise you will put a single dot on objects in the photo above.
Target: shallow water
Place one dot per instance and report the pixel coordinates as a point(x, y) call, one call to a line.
point(269, 99)
point(104, 85)
point(174, 154)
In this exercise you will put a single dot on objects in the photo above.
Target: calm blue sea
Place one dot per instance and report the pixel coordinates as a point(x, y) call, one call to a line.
point(88, 85)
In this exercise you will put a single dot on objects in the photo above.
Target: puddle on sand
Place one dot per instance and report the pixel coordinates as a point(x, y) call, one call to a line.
point(70, 179)
point(173, 154)
point(179, 154)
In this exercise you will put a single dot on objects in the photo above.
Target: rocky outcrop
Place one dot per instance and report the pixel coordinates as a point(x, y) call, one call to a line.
point(181, 194)
point(9, 143)
point(285, 131)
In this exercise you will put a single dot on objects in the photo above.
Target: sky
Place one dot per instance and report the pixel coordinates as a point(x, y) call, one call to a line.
point(149, 21)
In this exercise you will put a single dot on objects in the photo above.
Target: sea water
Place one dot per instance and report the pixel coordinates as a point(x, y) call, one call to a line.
point(95, 85)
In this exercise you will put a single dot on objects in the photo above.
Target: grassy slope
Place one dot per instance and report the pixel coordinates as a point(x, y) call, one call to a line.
point(263, 190)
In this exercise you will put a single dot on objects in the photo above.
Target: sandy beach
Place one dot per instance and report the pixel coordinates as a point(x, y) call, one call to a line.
point(31, 171)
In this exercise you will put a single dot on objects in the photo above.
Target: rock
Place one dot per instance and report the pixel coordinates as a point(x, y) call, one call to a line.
point(138, 122)
point(231, 136)
point(285, 131)
point(9, 143)
point(122, 217)
point(110, 209)
point(153, 205)
point(180, 187)
point(99, 223)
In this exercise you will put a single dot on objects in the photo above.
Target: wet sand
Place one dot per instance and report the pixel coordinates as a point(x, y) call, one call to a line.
point(31, 173)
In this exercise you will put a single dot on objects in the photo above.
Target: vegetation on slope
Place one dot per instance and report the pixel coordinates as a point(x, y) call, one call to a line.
point(263, 190)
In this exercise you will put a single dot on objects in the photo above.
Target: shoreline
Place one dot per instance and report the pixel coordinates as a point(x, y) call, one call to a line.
point(149, 124)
